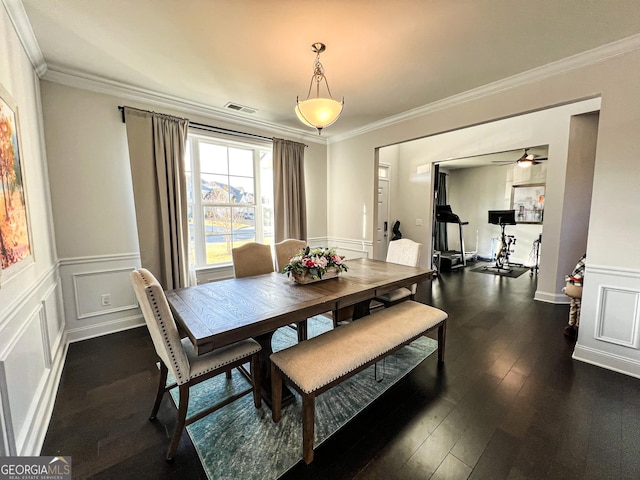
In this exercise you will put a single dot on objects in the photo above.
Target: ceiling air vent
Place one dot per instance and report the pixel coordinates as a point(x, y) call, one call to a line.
point(240, 108)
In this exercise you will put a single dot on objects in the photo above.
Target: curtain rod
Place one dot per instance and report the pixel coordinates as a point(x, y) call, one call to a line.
point(211, 128)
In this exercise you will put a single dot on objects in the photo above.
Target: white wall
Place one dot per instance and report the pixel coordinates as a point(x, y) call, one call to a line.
point(615, 184)
point(32, 342)
point(472, 192)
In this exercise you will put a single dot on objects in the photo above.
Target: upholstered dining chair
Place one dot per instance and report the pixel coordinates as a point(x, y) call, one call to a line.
point(251, 259)
point(287, 249)
point(404, 252)
point(179, 357)
point(284, 251)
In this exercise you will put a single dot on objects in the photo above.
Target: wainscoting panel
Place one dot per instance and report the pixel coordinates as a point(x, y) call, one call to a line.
point(54, 313)
point(4, 440)
point(618, 319)
point(23, 370)
point(610, 319)
point(32, 349)
point(97, 295)
point(113, 286)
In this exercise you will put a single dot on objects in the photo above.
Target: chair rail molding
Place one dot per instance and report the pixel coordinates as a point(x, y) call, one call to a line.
point(352, 248)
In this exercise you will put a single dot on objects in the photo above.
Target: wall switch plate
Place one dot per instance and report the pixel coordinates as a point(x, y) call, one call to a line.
point(418, 222)
point(106, 299)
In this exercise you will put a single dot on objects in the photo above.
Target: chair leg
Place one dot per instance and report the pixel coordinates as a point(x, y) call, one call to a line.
point(302, 331)
point(161, 389)
point(442, 336)
point(276, 394)
point(255, 379)
point(229, 374)
point(182, 415)
point(308, 427)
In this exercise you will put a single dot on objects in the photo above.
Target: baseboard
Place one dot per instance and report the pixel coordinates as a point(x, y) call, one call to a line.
point(35, 439)
point(607, 360)
point(548, 297)
point(104, 328)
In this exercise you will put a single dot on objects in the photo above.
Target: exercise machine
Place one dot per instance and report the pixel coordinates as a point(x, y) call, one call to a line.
point(503, 218)
point(536, 253)
point(452, 259)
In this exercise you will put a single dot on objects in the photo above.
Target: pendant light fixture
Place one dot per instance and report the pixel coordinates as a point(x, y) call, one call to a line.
point(318, 112)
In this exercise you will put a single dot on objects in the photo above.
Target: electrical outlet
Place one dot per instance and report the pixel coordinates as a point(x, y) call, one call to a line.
point(106, 299)
point(418, 222)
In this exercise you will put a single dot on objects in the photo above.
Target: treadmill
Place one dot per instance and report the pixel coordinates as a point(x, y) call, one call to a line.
point(451, 259)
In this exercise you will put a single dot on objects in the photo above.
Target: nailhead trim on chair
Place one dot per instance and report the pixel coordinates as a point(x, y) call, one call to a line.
point(257, 349)
point(154, 303)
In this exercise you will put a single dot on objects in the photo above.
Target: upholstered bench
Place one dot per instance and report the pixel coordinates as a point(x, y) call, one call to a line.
point(316, 365)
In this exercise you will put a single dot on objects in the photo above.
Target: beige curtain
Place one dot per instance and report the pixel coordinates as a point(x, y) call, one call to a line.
point(290, 208)
point(156, 152)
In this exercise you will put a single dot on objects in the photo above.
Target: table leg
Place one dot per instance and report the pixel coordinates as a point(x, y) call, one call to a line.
point(361, 309)
point(265, 372)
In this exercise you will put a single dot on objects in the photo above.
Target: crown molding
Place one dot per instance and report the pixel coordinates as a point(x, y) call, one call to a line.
point(590, 57)
point(55, 73)
point(58, 74)
point(22, 26)
point(85, 81)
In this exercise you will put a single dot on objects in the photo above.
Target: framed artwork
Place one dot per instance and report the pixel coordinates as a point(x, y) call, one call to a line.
point(15, 244)
point(528, 203)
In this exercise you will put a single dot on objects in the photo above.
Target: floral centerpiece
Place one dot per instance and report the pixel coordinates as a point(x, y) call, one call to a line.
point(313, 264)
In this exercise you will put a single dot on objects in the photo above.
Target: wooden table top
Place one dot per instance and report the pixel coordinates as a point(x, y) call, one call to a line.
point(219, 313)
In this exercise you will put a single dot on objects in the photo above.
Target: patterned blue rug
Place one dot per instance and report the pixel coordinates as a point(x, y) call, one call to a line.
point(242, 442)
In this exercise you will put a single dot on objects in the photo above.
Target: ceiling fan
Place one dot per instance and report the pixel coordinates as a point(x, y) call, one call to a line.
point(526, 160)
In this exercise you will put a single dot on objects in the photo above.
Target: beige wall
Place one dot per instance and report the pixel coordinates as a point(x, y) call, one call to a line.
point(607, 336)
point(93, 209)
point(90, 178)
point(547, 126)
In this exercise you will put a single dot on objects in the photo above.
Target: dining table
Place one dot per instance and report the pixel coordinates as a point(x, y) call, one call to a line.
point(219, 313)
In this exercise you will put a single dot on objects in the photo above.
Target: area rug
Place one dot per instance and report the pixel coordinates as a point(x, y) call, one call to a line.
point(242, 442)
point(511, 272)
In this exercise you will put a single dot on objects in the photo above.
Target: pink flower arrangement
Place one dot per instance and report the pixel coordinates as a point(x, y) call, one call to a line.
point(315, 262)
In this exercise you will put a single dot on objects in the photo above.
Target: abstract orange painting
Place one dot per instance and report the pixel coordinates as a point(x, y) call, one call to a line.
point(14, 230)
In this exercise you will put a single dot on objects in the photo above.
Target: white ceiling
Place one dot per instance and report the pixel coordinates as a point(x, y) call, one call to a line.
point(508, 158)
point(384, 57)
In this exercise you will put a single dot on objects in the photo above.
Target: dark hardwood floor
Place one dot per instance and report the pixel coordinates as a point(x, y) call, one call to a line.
point(509, 403)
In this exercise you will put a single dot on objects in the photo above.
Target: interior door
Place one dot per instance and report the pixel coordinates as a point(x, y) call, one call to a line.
point(382, 232)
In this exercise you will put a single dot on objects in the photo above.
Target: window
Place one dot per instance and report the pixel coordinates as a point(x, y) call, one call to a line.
point(229, 197)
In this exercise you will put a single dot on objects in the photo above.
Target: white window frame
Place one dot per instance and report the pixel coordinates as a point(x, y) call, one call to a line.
point(200, 247)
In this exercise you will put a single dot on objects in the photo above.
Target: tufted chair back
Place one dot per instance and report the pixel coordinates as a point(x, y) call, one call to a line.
point(161, 324)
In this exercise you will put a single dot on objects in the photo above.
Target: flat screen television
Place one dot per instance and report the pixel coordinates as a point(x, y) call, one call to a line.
point(502, 217)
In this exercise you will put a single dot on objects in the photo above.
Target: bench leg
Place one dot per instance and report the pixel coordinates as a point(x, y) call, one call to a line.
point(308, 426)
point(276, 394)
point(442, 334)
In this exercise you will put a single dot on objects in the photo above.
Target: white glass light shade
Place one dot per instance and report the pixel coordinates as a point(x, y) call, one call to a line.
point(318, 112)
point(525, 163)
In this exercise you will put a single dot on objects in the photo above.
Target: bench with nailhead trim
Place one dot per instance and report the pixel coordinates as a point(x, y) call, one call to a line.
point(316, 365)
